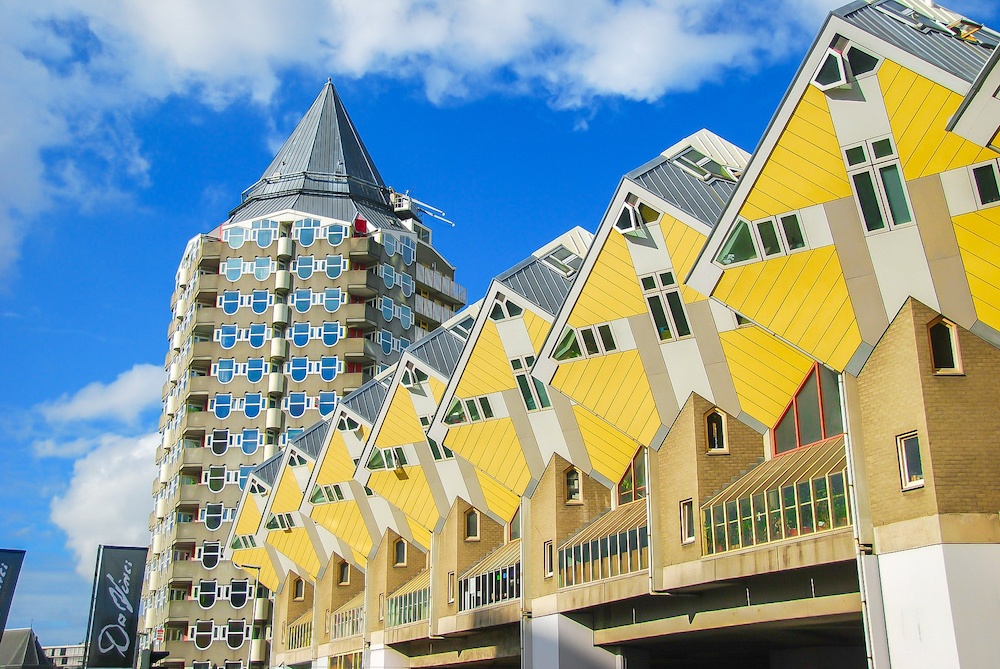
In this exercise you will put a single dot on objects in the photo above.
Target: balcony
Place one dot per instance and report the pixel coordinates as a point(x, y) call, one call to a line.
point(433, 312)
point(362, 283)
point(795, 495)
point(279, 349)
point(186, 570)
point(349, 620)
point(358, 349)
point(363, 249)
point(207, 286)
point(444, 288)
point(209, 254)
point(410, 603)
point(616, 544)
point(197, 421)
point(299, 634)
point(361, 316)
point(206, 316)
point(196, 493)
point(282, 281)
point(494, 580)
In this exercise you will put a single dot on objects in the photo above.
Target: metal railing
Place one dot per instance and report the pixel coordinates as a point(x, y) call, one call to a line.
point(408, 608)
point(299, 635)
point(348, 623)
point(441, 283)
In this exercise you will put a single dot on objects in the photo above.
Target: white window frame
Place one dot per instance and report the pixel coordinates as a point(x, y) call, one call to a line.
point(520, 367)
point(872, 167)
point(911, 484)
point(995, 165)
point(660, 291)
point(688, 521)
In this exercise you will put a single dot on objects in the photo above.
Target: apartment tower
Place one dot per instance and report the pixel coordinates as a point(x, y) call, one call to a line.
point(316, 281)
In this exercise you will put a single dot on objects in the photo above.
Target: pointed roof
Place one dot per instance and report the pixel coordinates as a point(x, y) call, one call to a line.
point(20, 649)
point(323, 168)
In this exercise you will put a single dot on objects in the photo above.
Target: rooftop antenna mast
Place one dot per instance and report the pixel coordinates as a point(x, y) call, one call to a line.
point(406, 202)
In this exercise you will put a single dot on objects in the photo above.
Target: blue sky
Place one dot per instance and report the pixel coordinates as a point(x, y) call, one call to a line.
point(127, 127)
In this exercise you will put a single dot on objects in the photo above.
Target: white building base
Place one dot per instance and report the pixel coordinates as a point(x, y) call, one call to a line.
point(559, 642)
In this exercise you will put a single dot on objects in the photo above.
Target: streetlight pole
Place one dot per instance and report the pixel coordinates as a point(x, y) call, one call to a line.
point(253, 606)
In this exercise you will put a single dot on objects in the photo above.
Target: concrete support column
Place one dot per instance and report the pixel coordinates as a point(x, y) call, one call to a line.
point(557, 641)
point(380, 656)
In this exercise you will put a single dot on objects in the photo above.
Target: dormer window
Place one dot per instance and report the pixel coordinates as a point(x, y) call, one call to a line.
point(837, 71)
point(704, 167)
point(564, 261)
point(635, 215)
point(504, 309)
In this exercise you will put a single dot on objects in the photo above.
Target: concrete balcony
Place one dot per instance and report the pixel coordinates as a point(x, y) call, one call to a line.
point(363, 249)
point(285, 247)
point(276, 383)
point(360, 316)
point(440, 286)
point(207, 316)
point(363, 283)
point(196, 493)
point(197, 421)
point(357, 349)
point(279, 349)
point(207, 286)
point(209, 253)
point(274, 420)
point(185, 570)
point(282, 281)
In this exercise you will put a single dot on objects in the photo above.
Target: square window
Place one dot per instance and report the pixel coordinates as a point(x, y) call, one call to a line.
point(910, 467)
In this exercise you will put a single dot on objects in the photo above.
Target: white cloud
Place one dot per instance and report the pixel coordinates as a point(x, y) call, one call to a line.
point(124, 399)
point(75, 71)
point(107, 500)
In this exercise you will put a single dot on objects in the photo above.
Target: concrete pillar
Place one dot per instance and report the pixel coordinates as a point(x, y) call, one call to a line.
point(380, 656)
point(557, 641)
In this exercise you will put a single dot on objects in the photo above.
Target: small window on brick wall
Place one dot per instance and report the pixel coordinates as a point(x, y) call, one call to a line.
point(945, 356)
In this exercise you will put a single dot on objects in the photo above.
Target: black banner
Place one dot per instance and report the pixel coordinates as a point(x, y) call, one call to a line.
point(10, 567)
point(114, 610)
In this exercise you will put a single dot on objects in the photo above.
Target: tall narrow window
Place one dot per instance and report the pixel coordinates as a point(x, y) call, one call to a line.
point(944, 347)
point(533, 391)
point(299, 589)
point(573, 492)
point(879, 189)
point(547, 559)
point(910, 467)
point(399, 552)
point(665, 305)
point(632, 485)
point(344, 575)
point(451, 587)
point(472, 525)
point(987, 182)
point(687, 521)
point(715, 430)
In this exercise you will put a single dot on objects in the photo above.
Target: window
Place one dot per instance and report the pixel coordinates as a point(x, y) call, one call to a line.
point(814, 413)
point(387, 458)
point(910, 469)
point(239, 593)
point(224, 369)
point(702, 166)
point(236, 633)
point(633, 483)
point(634, 216)
point(439, 452)
point(768, 238)
point(283, 521)
point(472, 525)
point(832, 72)
point(533, 391)
point(564, 261)
point(715, 432)
point(204, 630)
point(504, 309)
point(597, 340)
point(985, 178)
point(665, 305)
point(298, 589)
point(739, 247)
point(323, 494)
point(687, 521)
point(945, 356)
point(216, 478)
point(250, 441)
point(474, 410)
point(573, 492)
point(381, 606)
point(207, 591)
point(879, 190)
point(211, 551)
point(399, 552)
point(547, 559)
point(213, 516)
point(451, 587)
point(344, 574)
point(514, 530)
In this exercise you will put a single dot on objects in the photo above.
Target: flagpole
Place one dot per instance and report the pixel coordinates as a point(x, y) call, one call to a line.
point(93, 600)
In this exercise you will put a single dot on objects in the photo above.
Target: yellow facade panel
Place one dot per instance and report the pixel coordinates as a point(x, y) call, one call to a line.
point(488, 370)
point(611, 290)
point(411, 494)
point(807, 155)
point(401, 425)
point(287, 496)
point(250, 517)
point(344, 521)
point(610, 450)
point(421, 534)
point(684, 243)
point(437, 389)
point(811, 264)
point(336, 465)
point(296, 545)
point(766, 371)
point(978, 235)
point(259, 558)
point(538, 328)
point(492, 446)
point(499, 499)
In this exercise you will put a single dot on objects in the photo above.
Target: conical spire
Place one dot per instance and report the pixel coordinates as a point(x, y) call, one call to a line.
point(324, 157)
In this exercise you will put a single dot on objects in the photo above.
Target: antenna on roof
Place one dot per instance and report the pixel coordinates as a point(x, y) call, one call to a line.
point(404, 202)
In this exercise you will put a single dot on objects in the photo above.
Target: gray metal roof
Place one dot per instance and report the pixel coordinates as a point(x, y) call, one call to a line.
point(20, 649)
point(440, 349)
point(311, 441)
point(942, 49)
point(336, 207)
point(367, 400)
point(267, 471)
point(680, 188)
point(536, 281)
point(325, 157)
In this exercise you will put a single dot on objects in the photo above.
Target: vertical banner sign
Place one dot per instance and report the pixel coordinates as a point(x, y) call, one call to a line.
point(114, 609)
point(10, 567)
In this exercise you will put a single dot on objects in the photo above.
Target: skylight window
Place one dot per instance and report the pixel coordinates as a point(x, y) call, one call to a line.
point(634, 216)
point(563, 261)
point(702, 166)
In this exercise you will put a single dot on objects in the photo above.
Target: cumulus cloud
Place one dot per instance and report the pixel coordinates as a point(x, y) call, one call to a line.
point(124, 399)
point(107, 499)
point(75, 71)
